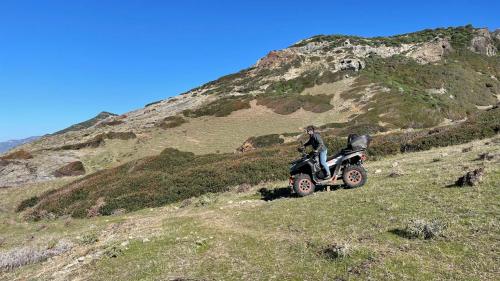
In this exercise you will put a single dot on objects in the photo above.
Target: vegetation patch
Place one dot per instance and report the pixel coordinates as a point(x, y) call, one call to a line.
point(471, 178)
point(336, 251)
point(288, 104)
point(27, 203)
point(18, 155)
point(260, 142)
point(220, 107)
point(86, 124)
point(98, 140)
point(114, 122)
point(72, 169)
point(459, 36)
point(28, 255)
point(172, 122)
point(152, 103)
point(462, 76)
point(422, 229)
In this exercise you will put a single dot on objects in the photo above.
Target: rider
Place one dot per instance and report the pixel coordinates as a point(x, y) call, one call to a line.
point(319, 148)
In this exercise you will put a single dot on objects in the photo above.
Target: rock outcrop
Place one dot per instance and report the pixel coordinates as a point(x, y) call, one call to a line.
point(431, 51)
point(482, 43)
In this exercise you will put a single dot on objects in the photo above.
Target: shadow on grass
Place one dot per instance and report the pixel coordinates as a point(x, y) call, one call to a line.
point(276, 193)
point(400, 232)
point(285, 192)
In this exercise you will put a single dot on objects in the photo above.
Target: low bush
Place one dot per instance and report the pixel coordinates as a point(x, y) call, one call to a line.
point(72, 169)
point(219, 108)
point(98, 140)
point(89, 238)
point(336, 251)
point(288, 104)
point(172, 122)
point(27, 203)
point(18, 257)
point(265, 141)
point(417, 228)
point(152, 103)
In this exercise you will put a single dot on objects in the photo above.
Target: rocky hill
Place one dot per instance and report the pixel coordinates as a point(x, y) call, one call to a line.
point(408, 81)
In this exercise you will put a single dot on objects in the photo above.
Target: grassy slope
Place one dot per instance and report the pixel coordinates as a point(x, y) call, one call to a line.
point(173, 176)
point(239, 237)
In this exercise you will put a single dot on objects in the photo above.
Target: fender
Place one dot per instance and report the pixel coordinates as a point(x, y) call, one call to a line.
point(352, 155)
point(299, 165)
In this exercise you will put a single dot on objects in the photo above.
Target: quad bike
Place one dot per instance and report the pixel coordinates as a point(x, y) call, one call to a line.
point(306, 173)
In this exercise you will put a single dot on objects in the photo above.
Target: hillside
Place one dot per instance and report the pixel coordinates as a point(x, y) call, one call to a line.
point(357, 234)
point(410, 81)
point(174, 175)
point(7, 145)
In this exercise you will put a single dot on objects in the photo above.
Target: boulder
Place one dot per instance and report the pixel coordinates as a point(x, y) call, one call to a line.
point(482, 43)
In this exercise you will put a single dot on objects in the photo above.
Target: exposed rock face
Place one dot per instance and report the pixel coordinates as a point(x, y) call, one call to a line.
point(351, 64)
point(246, 146)
point(496, 34)
point(430, 51)
point(482, 43)
point(39, 168)
point(276, 59)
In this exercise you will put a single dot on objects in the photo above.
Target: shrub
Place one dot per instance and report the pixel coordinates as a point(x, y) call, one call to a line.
point(288, 104)
point(98, 140)
point(152, 103)
point(220, 107)
point(72, 169)
point(89, 238)
point(336, 251)
point(27, 203)
point(18, 257)
point(172, 122)
point(417, 228)
point(119, 135)
point(265, 141)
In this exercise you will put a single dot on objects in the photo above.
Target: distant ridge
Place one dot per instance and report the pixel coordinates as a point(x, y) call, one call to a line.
point(86, 124)
point(8, 145)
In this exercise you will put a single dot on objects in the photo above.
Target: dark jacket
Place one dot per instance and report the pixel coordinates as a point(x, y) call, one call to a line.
point(316, 142)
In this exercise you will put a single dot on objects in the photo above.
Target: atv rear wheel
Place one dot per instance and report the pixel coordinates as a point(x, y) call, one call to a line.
point(354, 176)
point(303, 185)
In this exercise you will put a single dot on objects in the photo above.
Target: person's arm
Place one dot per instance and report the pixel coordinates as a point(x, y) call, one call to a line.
point(308, 142)
point(321, 145)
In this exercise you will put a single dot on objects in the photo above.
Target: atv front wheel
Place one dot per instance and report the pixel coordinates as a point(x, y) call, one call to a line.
point(303, 185)
point(354, 176)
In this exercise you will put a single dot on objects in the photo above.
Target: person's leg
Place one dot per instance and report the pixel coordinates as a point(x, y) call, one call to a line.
point(322, 159)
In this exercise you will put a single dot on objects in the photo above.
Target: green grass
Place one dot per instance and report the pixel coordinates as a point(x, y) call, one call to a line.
point(240, 237)
point(460, 37)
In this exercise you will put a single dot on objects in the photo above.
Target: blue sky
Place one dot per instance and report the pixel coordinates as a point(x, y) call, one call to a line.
point(62, 62)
